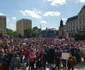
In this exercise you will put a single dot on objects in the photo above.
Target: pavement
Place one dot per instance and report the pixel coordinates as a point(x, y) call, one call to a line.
point(79, 66)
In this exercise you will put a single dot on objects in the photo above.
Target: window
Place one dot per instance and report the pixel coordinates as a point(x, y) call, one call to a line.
point(80, 21)
point(80, 27)
point(83, 20)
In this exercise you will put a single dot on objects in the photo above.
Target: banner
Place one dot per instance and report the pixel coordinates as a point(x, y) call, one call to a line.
point(65, 56)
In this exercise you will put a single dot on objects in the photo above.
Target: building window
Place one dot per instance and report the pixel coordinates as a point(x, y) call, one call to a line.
point(80, 21)
point(80, 27)
point(83, 20)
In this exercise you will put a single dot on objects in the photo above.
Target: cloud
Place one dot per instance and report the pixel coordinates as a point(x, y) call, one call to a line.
point(50, 13)
point(82, 1)
point(38, 12)
point(8, 20)
point(57, 2)
point(43, 21)
point(64, 19)
point(11, 26)
point(14, 18)
point(1, 14)
point(43, 28)
point(34, 13)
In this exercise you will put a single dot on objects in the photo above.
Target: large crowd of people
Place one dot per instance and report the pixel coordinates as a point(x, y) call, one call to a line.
point(39, 52)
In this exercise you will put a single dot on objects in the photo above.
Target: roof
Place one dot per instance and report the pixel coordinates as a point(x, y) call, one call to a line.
point(2, 16)
point(24, 20)
point(82, 8)
point(72, 18)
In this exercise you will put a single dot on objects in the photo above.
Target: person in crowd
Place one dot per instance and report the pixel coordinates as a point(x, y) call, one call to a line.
point(27, 53)
point(38, 58)
point(1, 58)
point(15, 62)
point(32, 59)
point(78, 56)
point(44, 58)
point(57, 57)
point(71, 62)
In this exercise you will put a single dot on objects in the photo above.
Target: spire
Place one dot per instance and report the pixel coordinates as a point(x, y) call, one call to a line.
point(61, 23)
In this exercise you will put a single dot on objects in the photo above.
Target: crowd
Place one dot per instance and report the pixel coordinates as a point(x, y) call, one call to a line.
point(39, 52)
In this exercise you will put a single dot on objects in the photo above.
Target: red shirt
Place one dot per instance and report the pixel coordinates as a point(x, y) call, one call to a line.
point(27, 52)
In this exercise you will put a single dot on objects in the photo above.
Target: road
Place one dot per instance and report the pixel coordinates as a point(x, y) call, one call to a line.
point(80, 66)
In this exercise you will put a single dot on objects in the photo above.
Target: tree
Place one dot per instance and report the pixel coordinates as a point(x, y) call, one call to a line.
point(11, 32)
point(79, 36)
point(1, 35)
point(36, 32)
point(28, 32)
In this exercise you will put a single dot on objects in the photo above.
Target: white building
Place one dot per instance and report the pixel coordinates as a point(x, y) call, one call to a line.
point(76, 23)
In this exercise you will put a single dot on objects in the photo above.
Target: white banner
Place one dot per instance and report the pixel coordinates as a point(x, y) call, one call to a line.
point(65, 56)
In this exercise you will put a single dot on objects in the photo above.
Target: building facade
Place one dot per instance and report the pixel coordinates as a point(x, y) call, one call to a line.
point(3, 25)
point(72, 25)
point(76, 23)
point(49, 33)
point(23, 24)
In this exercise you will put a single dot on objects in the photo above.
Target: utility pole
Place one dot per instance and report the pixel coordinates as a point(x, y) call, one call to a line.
point(41, 27)
point(41, 30)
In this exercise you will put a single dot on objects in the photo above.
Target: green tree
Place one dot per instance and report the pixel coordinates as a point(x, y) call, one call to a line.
point(28, 32)
point(79, 36)
point(10, 32)
point(36, 32)
point(1, 35)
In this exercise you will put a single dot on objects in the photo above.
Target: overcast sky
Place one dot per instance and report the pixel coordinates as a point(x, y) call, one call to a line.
point(46, 13)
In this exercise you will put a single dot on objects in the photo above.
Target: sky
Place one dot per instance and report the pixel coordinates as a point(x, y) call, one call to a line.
point(44, 13)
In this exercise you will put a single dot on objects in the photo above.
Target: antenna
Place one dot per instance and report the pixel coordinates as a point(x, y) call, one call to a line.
point(41, 27)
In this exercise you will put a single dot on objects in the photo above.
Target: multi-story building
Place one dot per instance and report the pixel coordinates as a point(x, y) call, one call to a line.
point(49, 33)
point(3, 25)
point(23, 24)
point(72, 25)
point(76, 23)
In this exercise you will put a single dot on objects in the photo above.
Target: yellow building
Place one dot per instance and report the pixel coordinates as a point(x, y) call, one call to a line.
point(23, 24)
point(3, 25)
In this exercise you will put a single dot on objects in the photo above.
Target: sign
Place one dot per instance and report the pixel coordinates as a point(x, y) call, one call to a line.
point(82, 49)
point(65, 56)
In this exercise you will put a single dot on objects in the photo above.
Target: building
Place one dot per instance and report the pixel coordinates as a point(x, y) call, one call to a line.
point(49, 33)
point(3, 25)
point(76, 23)
point(23, 24)
point(72, 25)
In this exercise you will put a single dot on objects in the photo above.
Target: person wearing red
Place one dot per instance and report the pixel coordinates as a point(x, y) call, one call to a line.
point(44, 58)
point(27, 53)
point(32, 59)
point(38, 58)
point(71, 62)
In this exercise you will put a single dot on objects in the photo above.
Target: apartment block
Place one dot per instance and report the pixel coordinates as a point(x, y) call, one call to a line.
point(23, 24)
point(3, 25)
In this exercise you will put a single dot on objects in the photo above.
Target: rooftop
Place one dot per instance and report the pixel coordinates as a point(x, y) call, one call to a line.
point(2, 16)
point(72, 18)
point(82, 8)
point(24, 20)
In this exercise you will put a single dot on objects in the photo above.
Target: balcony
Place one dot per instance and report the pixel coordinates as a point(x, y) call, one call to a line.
point(80, 30)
